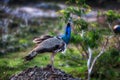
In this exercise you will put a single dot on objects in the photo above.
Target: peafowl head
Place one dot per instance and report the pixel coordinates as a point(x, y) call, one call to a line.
point(116, 29)
point(67, 34)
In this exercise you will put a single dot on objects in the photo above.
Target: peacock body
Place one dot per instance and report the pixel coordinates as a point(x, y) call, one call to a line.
point(53, 44)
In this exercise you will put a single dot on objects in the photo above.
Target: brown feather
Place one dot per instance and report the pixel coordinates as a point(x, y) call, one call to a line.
point(42, 38)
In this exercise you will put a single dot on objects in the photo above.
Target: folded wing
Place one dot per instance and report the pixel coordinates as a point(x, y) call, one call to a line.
point(42, 38)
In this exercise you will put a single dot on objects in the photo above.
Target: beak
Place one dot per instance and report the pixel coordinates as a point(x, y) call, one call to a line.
point(71, 23)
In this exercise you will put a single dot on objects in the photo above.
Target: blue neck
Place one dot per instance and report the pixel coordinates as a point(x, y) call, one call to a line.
point(67, 34)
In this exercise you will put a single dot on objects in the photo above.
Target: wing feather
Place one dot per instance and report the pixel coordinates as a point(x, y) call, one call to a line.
point(42, 38)
point(51, 45)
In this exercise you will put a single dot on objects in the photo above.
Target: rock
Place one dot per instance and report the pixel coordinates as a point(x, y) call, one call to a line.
point(37, 73)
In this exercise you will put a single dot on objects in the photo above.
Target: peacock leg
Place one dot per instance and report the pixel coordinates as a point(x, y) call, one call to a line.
point(52, 61)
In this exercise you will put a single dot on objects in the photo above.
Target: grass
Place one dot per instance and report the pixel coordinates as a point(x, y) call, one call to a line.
point(13, 63)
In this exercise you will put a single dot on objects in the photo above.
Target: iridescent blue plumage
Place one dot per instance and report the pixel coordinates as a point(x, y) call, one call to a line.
point(67, 35)
point(116, 28)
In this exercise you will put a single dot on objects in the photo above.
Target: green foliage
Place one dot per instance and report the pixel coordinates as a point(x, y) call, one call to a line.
point(107, 67)
point(112, 15)
point(80, 9)
point(90, 35)
point(73, 59)
point(81, 24)
point(75, 38)
point(91, 39)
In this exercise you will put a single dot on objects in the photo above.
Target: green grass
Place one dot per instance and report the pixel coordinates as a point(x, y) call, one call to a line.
point(13, 63)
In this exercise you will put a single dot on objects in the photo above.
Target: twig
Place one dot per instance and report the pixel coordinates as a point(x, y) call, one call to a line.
point(102, 51)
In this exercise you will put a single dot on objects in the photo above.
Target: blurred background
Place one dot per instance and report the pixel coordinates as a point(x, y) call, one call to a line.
point(23, 20)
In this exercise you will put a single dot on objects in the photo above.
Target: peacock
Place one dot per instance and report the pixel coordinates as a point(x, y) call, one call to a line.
point(52, 44)
point(116, 29)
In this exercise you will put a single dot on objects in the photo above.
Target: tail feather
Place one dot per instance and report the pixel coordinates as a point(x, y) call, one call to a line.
point(30, 56)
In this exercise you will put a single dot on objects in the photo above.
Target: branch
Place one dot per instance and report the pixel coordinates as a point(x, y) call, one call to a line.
point(102, 51)
point(90, 63)
point(89, 59)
